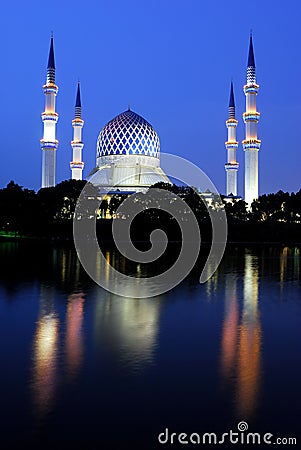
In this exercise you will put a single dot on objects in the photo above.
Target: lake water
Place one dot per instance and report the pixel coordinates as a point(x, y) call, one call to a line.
point(84, 369)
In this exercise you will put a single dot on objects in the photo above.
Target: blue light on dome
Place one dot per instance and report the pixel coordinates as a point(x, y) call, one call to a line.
point(128, 134)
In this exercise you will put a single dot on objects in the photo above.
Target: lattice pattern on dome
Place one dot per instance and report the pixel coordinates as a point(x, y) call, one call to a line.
point(128, 134)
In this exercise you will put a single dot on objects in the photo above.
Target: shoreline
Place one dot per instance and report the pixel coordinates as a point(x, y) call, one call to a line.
point(110, 242)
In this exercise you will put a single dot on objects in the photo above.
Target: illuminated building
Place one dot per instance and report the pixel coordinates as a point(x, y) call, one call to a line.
point(251, 144)
point(128, 155)
point(231, 166)
point(77, 145)
point(49, 117)
point(128, 147)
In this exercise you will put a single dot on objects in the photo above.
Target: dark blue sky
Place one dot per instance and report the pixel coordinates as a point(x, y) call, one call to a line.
point(171, 60)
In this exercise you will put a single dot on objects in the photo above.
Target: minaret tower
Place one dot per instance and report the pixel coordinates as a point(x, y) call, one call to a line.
point(49, 117)
point(251, 144)
point(77, 145)
point(231, 166)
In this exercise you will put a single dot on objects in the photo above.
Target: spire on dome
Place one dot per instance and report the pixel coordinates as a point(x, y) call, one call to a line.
point(51, 64)
point(251, 59)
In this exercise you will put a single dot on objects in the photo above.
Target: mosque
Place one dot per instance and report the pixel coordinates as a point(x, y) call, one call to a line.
point(128, 147)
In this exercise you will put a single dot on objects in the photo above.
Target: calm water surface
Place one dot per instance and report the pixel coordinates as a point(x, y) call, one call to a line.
point(84, 369)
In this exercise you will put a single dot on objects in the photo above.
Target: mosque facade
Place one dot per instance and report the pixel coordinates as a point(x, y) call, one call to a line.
point(128, 147)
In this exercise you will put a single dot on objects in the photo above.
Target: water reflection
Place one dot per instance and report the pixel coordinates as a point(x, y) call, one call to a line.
point(230, 328)
point(283, 263)
point(74, 333)
point(289, 264)
point(45, 353)
point(241, 339)
point(126, 329)
point(249, 342)
point(296, 263)
point(129, 327)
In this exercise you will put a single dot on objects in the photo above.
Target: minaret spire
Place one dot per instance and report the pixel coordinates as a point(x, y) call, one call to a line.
point(231, 166)
point(251, 59)
point(49, 142)
point(251, 144)
point(251, 68)
point(77, 145)
point(231, 107)
point(51, 64)
point(78, 103)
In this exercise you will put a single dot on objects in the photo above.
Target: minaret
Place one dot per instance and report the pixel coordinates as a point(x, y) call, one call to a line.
point(49, 117)
point(77, 145)
point(231, 166)
point(251, 144)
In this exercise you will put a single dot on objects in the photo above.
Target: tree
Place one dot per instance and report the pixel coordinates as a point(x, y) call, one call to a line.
point(17, 208)
point(236, 210)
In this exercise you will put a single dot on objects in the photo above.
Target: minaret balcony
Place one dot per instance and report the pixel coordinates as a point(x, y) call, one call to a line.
point(50, 88)
point(231, 144)
point(251, 144)
point(48, 145)
point(231, 123)
point(251, 88)
point(77, 144)
point(52, 116)
point(231, 166)
point(77, 123)
point(251, 117)
point(76, 165)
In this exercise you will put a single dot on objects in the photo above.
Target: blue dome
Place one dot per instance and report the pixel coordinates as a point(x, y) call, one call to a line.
point(128, 134)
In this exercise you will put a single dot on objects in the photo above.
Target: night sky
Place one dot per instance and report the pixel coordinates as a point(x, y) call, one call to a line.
point(172, 61)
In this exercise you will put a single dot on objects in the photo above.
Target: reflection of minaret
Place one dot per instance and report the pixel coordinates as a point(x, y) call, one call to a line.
point(74, 338)
point(230, 328)
point(296, 263)
point(77, 145)
point(44, 380)
point(49, 142)
point(283, 264)
point(249, 342)
point(251, 144)
point(231, 166)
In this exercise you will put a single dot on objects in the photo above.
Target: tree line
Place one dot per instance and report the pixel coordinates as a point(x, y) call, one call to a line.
point(50, 210)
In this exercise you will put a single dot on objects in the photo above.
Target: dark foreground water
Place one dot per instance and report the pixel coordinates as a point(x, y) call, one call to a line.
point(84, 369)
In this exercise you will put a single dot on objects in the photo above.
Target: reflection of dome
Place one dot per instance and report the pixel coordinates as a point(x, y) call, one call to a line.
point(128, 134)
point(128, 155)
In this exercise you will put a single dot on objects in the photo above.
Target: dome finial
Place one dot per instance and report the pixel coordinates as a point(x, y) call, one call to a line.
point(129, 106)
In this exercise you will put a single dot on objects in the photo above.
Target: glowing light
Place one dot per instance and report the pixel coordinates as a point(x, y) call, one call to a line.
point(74, 338)
point(45, 361)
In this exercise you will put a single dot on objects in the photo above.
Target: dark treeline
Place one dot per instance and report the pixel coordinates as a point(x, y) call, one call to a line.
point(46, 213)
point(49, 213)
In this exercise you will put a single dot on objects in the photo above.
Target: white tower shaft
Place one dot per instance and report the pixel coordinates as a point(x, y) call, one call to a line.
point(77, 145)
point(231, 166)
point(251, 144)
point(49, 142)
